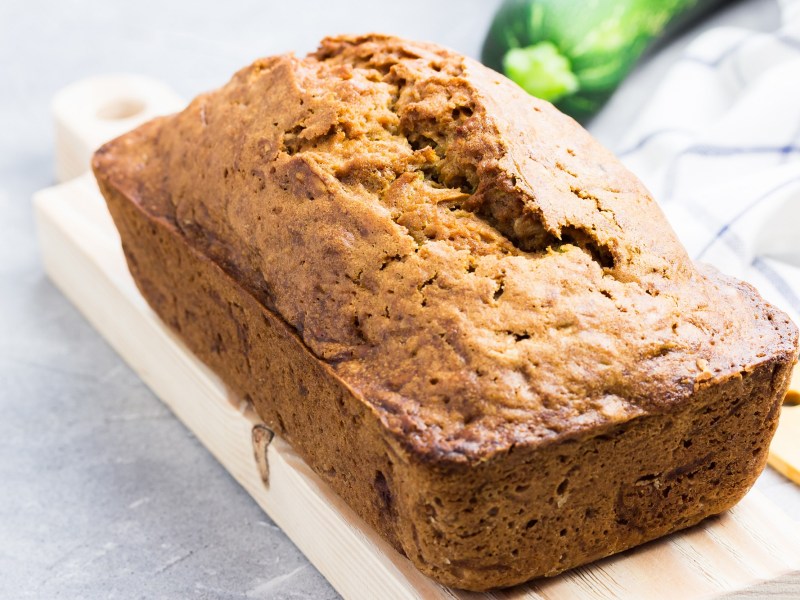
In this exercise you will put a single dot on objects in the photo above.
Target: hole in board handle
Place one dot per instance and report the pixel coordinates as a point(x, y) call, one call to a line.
point(120, 108)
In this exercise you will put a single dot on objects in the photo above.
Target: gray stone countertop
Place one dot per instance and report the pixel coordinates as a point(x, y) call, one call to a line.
point(103, 493)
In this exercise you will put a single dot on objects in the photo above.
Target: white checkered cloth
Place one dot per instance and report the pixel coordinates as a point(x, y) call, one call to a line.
point(719, 147)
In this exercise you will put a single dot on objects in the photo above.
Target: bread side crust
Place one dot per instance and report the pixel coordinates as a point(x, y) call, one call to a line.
point(529, 512)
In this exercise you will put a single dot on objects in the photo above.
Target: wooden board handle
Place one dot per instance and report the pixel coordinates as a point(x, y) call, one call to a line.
point(92, 111)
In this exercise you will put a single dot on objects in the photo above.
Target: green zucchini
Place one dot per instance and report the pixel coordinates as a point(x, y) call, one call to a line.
point(575, 53)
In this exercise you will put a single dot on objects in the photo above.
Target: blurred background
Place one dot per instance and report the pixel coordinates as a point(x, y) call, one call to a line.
point(103, 493)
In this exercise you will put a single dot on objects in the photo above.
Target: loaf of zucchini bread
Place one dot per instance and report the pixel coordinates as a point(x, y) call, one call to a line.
point(464, 313)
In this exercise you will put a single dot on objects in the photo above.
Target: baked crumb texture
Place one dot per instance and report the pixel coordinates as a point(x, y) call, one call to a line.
point(465, 314)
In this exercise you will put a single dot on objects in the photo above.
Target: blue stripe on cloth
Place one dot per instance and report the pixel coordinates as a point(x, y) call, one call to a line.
point(736, 243)
point(713, 64)
point(783, 38)
point(788, 40)
point(708, 150)
point(751, 205)
point(778, 282)
point(795, 138)
point(731, 239)
point(649, 137)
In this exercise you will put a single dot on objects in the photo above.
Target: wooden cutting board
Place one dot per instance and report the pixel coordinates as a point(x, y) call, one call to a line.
point(751, 551)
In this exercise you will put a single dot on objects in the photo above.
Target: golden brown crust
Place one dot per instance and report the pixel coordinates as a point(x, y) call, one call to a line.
point(477, 300)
